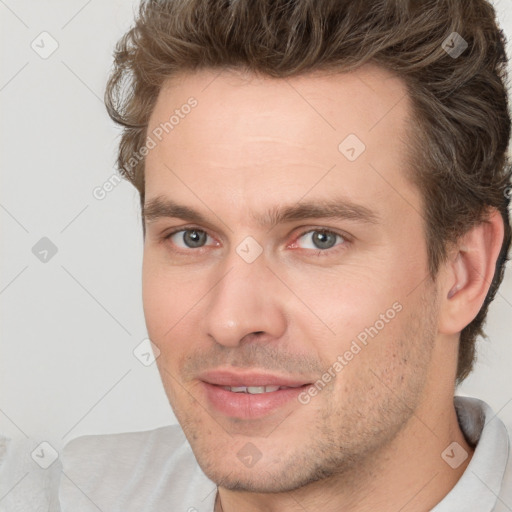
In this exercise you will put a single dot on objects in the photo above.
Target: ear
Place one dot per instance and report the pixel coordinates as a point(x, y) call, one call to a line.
point(467, 274)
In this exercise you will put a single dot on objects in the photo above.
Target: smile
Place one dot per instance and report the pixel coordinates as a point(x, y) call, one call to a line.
point(255, 390)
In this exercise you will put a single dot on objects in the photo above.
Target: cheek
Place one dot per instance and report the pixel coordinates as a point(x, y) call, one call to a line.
point(169, 296)
point(171, 303)
point(361, 313)
point(345, 302)
point(157, 300)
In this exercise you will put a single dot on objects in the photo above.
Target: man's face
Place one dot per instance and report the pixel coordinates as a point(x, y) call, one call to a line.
point(267, 289)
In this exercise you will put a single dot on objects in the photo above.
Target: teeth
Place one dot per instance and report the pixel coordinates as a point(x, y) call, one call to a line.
point(253, 390)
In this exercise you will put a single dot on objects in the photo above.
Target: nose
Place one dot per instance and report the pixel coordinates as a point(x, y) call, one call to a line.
point(248, 299)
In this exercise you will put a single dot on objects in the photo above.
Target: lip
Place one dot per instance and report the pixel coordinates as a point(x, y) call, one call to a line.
point(250, 378)
point(245, 405)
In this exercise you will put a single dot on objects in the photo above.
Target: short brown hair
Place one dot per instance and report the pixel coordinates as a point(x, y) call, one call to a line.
point(458, 150)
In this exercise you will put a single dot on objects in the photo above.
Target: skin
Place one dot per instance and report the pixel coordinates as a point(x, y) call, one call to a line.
point(372, 438)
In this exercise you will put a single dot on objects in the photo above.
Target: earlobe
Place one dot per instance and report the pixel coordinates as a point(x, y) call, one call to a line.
point(468, 274)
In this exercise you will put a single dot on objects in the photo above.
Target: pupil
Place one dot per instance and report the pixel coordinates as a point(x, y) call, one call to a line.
point(324, 240)
point(194, 238)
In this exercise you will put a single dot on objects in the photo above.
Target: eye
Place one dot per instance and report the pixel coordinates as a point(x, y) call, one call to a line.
point(188, 238)
point(320, 239)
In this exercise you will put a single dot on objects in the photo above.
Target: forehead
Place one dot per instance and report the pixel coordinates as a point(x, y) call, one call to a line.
point(359, 99)
point(251, 135)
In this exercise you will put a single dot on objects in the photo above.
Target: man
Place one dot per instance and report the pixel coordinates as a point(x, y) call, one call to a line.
point(324, 189)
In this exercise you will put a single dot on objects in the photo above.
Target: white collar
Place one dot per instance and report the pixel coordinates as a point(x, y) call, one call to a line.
point(480, 484)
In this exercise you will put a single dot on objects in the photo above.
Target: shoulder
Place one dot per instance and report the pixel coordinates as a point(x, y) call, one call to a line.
point(504, 502)
point(490, 470)
point(145, 470)
point(127, 446)
point(29, 475)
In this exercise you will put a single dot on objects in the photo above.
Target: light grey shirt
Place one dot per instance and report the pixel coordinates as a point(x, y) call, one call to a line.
point(156, 471)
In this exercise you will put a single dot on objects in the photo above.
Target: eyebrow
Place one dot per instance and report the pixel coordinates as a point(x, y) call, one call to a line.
point(343, 209)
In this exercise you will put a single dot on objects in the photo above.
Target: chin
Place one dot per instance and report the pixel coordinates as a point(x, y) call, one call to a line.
point(255, 481)
point(261, 478)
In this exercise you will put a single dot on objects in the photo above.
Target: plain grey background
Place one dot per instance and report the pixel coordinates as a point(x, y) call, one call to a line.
point(70, 324)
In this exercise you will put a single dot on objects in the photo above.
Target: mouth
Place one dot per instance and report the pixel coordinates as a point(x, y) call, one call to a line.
point(256, 390)
point(250, 395)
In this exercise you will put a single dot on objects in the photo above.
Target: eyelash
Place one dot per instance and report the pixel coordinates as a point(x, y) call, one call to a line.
point(319, 252)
